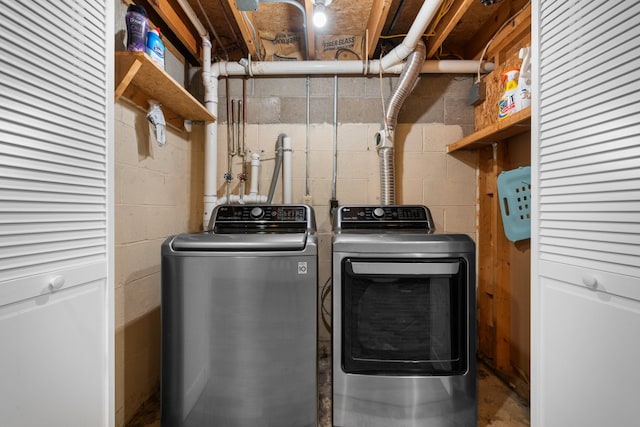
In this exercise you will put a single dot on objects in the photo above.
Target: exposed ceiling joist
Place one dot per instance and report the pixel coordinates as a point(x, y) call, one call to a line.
point(463, 29)
point(445, 25)
point(245, 28)
point(481, 38)
point(311, 49)
point(174, 17)
point(377, 18)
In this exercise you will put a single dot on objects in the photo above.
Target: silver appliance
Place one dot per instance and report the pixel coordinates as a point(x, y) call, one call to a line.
point(404, 350)
point(239, 320)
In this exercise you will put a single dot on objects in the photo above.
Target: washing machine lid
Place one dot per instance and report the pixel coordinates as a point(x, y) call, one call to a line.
point(247, 242)
point(249, 228)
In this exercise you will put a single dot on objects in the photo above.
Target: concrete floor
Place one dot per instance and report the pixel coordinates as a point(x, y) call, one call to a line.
point(498, 405)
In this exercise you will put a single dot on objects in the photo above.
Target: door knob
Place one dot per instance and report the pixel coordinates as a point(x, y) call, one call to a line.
point(590, 282)
point(56, 283)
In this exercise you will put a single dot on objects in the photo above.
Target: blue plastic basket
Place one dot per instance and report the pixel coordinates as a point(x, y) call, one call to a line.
point(514, 191)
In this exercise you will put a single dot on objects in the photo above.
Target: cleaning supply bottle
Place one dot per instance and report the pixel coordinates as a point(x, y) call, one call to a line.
point(137, 28)
point(523, 95)
point(506, 104)
point(155, 47)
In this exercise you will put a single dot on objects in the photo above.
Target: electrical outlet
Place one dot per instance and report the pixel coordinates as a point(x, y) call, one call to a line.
point(307, 199)
point(333, 205)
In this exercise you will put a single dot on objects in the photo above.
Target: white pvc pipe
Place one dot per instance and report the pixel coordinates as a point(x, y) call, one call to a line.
point(284, 68)
point(186, 7)
point(211, 133)
point(255, 174)
point(286, 170)
point(242, 199)
point(423, 18)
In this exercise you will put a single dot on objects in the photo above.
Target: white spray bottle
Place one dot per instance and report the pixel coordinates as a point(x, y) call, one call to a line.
point(523, 95)
point(507, 103)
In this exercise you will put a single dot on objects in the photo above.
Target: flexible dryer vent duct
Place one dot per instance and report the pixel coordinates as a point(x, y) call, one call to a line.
point(385, 139)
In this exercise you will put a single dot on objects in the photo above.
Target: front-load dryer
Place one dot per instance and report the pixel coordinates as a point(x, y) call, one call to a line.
point(403, 320)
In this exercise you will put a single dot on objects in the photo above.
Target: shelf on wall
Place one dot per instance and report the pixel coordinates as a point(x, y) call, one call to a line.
point(139, 79)
point(515, 124)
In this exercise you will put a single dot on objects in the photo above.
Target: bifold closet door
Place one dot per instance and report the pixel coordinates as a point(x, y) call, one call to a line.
point(586, 224)
point(56, 292)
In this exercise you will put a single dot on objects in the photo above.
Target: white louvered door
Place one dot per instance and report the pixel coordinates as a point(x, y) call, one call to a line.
point(586, 219)
point(56, 297)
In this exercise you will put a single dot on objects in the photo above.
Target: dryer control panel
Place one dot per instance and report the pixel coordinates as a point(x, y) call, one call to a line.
point(384, 217)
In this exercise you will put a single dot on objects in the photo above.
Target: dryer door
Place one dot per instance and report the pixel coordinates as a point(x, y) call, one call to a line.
point(404, 317)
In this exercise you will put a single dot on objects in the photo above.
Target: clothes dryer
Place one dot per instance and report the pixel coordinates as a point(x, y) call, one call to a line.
point(403, 320)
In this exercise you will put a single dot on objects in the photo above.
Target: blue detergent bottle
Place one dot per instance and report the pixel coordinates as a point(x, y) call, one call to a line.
point(155, 47)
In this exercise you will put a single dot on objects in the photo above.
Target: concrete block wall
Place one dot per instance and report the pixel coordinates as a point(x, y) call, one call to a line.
point(158, 193)
point(159, 190)
point(435, 115)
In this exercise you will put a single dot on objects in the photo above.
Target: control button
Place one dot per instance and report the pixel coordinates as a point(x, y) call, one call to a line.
point(378, 213)
point(257, 213)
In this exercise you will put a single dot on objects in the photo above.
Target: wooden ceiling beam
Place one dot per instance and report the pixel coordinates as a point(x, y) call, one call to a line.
point(377, 18)
point(177, 21)
point(311, 49)
point(245, 29)
point(479, 40)
point(441, 28)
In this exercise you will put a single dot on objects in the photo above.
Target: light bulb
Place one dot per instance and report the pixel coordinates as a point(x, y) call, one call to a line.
point(319, 17)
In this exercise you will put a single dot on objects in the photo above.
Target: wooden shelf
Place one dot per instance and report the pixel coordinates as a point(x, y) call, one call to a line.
point(139, 79)
point(515, 124)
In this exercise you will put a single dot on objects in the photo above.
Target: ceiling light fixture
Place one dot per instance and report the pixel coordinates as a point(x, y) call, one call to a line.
point(319, 15)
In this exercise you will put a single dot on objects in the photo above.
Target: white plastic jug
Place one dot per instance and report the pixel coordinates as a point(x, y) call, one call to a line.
point(523, 93)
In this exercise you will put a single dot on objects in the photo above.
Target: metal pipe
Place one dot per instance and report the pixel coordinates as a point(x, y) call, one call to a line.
point(232, 146)
point(396, 15)
point(229, 120)
point(244, 124)
point(276, 168)
point(404, 86)
point(386, 146)
point(287, 179)
point(335, 138)
point(308, 140)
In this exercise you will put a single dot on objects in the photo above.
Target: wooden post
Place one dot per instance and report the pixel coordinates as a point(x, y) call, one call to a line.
point(502, 296)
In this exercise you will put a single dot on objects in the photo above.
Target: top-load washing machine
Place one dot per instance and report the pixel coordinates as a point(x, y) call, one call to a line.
point(403, 320)
point(239, 320)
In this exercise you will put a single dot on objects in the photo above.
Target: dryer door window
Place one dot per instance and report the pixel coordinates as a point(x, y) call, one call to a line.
point(404, 317)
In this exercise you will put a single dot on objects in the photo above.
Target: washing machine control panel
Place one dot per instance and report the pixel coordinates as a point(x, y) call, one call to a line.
point(248, 218)
point(392, 216)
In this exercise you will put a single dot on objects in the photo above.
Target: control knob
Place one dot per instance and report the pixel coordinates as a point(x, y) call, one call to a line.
point(257, 213)
point(378, 213)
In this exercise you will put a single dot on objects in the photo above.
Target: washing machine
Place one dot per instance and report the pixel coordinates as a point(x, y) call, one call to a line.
point(239, 320)
point(404, 332)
